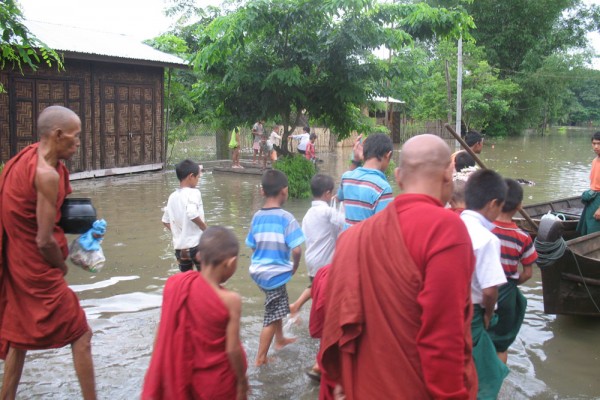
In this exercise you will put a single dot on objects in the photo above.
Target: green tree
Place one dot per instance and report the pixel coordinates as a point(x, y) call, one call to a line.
point(18, 47)
point(275, 59)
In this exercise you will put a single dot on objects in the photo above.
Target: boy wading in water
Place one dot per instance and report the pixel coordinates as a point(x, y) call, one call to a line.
point(198, 353)
point(274, 236)
point(184, 215)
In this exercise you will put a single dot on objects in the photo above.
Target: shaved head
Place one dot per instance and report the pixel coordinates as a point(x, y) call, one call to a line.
point(424, 153)
point(55, 117)
point(425, 167)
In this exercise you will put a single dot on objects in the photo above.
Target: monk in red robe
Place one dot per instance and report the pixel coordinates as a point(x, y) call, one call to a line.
point(398, 312)
point(37, 308)
point(198, 353)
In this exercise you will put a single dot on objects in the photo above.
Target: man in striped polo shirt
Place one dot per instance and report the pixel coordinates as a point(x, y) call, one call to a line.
point(364, 189)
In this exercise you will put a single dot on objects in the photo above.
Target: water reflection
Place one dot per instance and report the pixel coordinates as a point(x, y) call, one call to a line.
point(552, 357)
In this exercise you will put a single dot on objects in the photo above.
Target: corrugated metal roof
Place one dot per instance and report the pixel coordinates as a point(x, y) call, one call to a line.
point(118, 47)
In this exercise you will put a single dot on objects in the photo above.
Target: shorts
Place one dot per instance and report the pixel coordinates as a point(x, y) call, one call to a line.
point(301, 151)
point(237, 146)
point(277, 305)
point(256, 146)
point(187, 259)
point(265, 148)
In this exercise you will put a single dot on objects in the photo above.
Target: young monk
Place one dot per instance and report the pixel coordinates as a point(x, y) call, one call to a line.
point(198, 353)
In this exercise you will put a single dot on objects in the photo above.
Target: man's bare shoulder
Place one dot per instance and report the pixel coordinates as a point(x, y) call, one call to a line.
point(45, 176)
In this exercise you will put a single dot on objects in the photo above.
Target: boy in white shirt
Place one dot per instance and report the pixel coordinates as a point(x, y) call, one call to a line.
point(184, 215)
point(321, 226)
point(485, 193)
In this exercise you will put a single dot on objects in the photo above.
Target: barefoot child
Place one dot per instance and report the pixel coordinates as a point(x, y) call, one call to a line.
point(517, 247)
point(274, 235)
point(197, 351)
point(184, 215)
point(321, 226)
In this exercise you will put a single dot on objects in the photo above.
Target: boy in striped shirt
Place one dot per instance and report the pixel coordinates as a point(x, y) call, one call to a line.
point(517, 247)
point(274, 236)
point(365, 189)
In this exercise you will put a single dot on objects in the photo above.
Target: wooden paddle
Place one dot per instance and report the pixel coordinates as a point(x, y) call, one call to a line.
point(482, 165)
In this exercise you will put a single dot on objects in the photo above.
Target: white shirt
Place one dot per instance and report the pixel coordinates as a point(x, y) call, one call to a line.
point(183, 206)
point(304, 139)
point(486, 246)
point(274, 138)
point(321, 226)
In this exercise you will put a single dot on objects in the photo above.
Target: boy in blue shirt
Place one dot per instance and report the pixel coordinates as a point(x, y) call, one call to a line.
point(274, 235)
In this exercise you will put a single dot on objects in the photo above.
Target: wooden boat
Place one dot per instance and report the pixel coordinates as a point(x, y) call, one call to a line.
point(570, 208)
point(572, 284)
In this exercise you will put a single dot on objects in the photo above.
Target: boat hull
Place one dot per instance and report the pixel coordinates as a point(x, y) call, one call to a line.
point(571, 286)
point(570, 208)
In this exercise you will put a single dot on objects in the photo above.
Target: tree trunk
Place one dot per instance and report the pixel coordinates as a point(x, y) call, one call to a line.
point(222, 148)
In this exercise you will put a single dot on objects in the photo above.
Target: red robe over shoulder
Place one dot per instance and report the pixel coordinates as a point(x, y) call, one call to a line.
point(37, 308)
point(189, 360)
point(398, 312)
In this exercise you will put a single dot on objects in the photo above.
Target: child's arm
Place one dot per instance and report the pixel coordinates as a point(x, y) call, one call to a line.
point(526, 274)
point(490, 297)
point(201, 224)
point(233, 345)
point(296, 255)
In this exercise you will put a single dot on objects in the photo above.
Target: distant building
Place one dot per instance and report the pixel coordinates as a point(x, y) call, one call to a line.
point(113, 82)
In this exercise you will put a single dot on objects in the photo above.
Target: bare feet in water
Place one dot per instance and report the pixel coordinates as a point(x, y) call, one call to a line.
point(280, 344)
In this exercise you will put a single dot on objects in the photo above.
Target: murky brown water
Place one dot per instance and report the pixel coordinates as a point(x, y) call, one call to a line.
point(553, 358)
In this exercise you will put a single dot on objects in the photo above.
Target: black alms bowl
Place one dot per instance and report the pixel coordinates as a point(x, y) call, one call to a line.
point(77, 215)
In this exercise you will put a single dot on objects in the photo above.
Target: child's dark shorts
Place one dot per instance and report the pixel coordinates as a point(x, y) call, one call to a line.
point(277, 305)
point(186, 258)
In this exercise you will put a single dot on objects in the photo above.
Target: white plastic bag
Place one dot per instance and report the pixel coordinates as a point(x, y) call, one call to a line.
point(92, 260)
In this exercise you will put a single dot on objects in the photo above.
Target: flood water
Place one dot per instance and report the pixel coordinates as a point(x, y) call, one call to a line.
point(553, 357)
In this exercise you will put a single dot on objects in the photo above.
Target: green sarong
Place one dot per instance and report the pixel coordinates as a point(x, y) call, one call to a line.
point(588, 224)
point(510, 311)
point(490, 370)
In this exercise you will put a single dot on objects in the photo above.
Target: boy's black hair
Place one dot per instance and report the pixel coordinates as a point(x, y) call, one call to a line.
point(186, 167)
point(472, 138)
point(217, 244)
point(463, 160)
point(514, 196)
point(312, 136)
point(482, 187)
point(376, 146)
point(273, 181)
point(596, 136)
point(321, 183)
point(306, 129)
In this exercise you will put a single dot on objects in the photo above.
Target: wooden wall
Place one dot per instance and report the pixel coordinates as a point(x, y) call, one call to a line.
point(120, 107)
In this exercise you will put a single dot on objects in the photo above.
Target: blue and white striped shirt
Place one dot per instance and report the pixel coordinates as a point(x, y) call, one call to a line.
point(365, 192)
point(273, 234)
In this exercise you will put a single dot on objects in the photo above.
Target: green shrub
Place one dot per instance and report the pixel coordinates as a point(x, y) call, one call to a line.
point(1, 168)
point(299, 172)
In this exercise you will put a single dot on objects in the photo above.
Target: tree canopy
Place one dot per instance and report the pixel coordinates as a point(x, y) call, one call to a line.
point(18, 46)
point(274, 59)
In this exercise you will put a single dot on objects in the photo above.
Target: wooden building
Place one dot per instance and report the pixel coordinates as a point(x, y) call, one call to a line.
point(113, 82)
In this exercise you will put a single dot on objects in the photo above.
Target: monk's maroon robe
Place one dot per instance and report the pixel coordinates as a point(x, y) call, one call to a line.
point(189, 360)
point(37, 308)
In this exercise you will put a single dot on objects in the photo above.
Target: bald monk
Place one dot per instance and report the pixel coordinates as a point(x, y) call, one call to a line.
point(198, 353)
point(37, 308)
point(398, 312)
